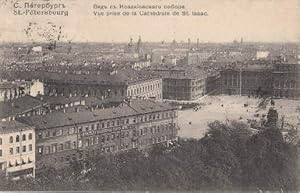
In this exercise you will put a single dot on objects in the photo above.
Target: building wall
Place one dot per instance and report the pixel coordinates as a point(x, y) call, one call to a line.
point(183, 89)
point(10, 93)
point(286, 81)
point(197, 57)
point(102, 91)
point(146, 89)
point(36, 87)
point(282, 82)
point(13, 161)
point(246, 82)
point(105, 136)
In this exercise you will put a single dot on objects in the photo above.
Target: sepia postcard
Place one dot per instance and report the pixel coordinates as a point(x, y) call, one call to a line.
point(150, 96)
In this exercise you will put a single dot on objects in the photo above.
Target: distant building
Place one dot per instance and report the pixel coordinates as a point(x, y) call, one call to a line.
point(195, 58)
point(262, 54)
point(35, 87)
point(11, 90)
point(37, 49)
point(138, 65)
point(251, 80)
point(281, 79)
point(286, 80)
point(117, 85)
point(135, 124)
point(17, 149)
point(21, 107)
point(184, 86)
point(182, 83)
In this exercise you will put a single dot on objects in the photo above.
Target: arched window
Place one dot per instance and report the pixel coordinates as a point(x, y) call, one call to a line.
point(30, 136)
point(17, 138)
point(11, 139)
point(23, 137)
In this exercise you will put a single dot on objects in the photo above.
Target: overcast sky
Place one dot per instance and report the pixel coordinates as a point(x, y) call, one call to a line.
point(254, 20)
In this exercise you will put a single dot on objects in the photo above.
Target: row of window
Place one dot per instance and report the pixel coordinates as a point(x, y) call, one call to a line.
point(107, 124)
point(156, 129)
point(142, 89)
point(18, 149)
point(22, 162)
point(17, 139)
point(112, 148)
point(57, 147)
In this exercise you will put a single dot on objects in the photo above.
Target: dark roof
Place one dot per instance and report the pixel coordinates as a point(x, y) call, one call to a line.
point(13, 126)
point(58, 119)
point(19, 105)
point(4, 85)
point(121, 77)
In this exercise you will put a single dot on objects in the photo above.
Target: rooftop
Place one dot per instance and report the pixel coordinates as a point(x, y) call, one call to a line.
point(12, 126)
point(58, 119)
point(19, 105)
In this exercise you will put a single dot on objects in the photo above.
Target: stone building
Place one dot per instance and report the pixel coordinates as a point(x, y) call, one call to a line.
point(17, 149)
point(135, 124)
point(286, 80)
point(250, 80)
point(117, 85)
point(22, 107)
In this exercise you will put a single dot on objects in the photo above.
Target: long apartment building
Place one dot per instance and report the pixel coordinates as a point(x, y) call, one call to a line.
point(135, 124)
point(115, 85)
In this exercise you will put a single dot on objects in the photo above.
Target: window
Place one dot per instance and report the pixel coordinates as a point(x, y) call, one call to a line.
point(59, 132)
point(18, 150)
point(11, 151)
point(11, 139)
point(24, 137)
point(24, 149)
point(17, 138)
point(0, 141)
point(54, 148)
point(79, 143)
point(30, 136)
point(0, 154)
point(47, 134)
point(68, 145)
point(74, 144)
point(40, 136)
point(71, 131)
point(47, 149)
point(30, 147)
point(40, 149)
point(54, 133)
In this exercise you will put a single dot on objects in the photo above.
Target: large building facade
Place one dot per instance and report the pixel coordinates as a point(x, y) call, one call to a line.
point(286, 80)
point(280, 80)
point(183, 87)
point(246, 81)
point(116, 86)
point(146, 89)
point(17, 149)
point(135, 124)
